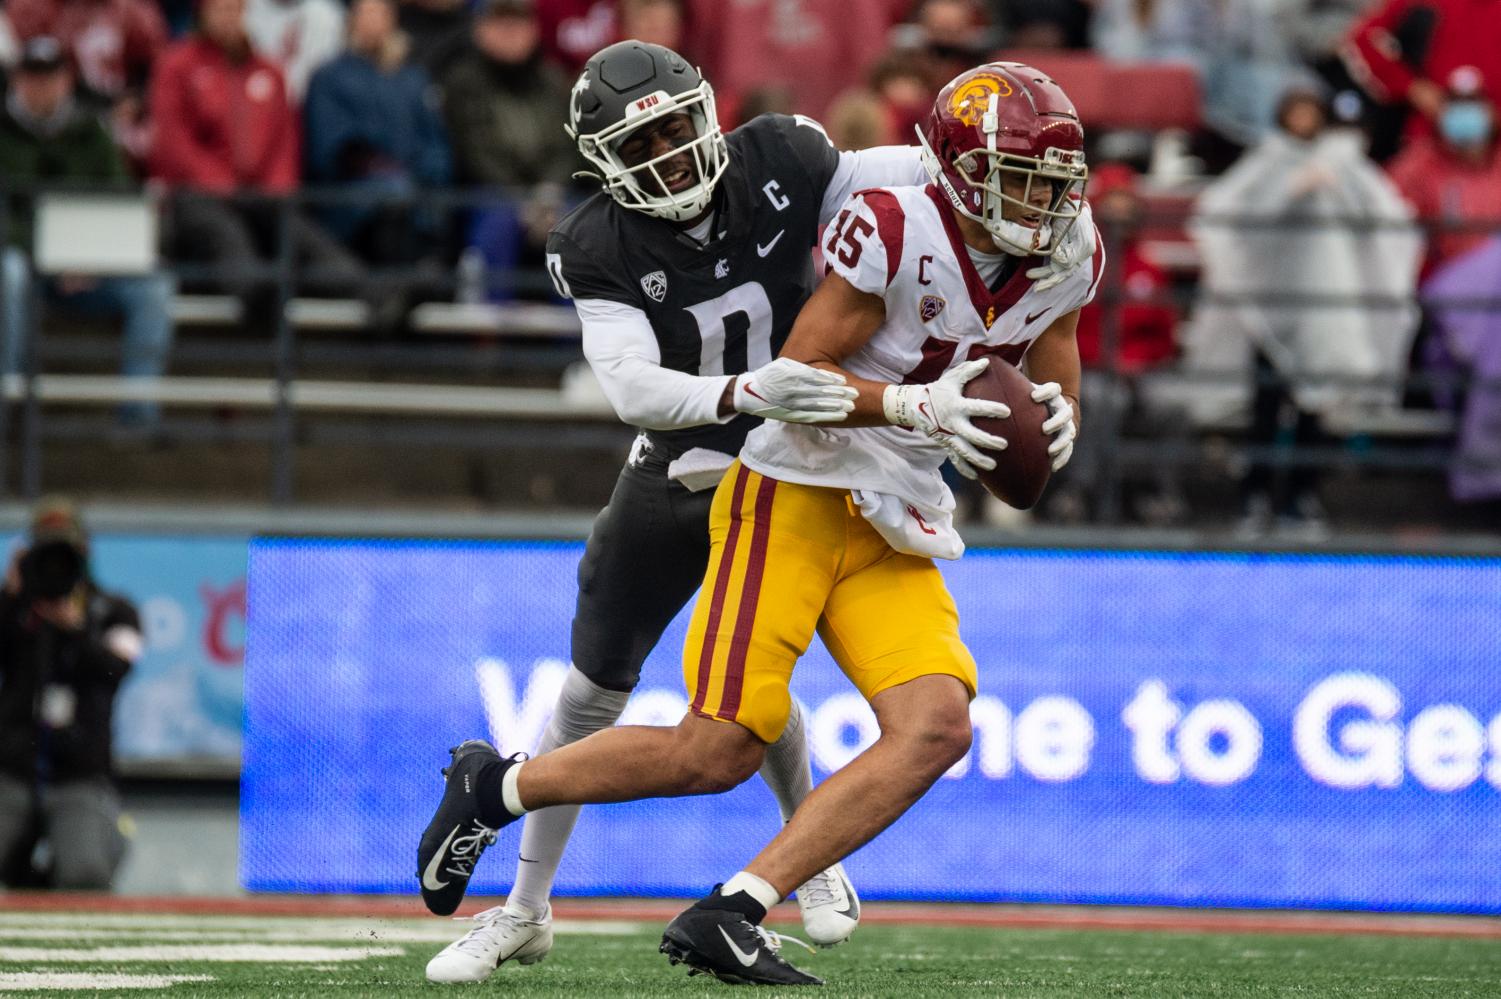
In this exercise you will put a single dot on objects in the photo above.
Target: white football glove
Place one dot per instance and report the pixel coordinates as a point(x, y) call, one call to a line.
point(795, 392)
point(940, 410)
point(1060, 426)
point(1076, 247)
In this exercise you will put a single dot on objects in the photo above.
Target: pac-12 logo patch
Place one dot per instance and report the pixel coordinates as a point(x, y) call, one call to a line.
point(929, 308)
point(655, 285)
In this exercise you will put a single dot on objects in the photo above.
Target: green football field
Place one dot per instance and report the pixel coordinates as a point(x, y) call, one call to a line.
point(84, 953)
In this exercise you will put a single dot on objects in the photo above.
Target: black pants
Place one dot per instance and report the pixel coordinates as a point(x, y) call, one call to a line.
point(1272, 398)
point(212, 231)
point(646, 555)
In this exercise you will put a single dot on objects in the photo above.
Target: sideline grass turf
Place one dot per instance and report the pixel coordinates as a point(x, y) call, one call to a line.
point(620, 960)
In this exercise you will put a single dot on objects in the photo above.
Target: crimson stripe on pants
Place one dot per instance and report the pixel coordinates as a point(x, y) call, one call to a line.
point(721, 584)
point(750, 593)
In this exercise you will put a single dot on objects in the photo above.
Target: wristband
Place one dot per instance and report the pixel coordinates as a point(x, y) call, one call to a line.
point(896, 405)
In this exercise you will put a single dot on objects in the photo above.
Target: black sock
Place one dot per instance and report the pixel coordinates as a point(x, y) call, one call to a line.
point(489, 796)
point(740, 902)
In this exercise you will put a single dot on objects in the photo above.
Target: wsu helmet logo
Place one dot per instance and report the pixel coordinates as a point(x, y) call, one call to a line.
point(970, 101)
point(576, 101)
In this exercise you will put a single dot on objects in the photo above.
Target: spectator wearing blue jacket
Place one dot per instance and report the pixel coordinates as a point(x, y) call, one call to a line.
point(372, 123)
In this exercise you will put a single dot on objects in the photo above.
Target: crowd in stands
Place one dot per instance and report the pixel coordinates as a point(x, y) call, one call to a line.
point(1379, 112)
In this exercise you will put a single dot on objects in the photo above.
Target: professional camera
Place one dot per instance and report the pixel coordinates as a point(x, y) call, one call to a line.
point(51, 569)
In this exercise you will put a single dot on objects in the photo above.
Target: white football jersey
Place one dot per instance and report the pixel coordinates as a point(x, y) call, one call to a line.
point(904, 245)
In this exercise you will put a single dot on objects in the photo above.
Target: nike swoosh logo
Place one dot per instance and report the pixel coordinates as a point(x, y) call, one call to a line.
point(430, 876)
point(758, 395)
point(746, 960)
point(922, 408)
point(1037, 315)
point(764, 250)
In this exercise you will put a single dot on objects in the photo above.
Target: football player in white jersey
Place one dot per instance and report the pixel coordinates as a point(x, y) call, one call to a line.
point(929, 284)
point(834, 529)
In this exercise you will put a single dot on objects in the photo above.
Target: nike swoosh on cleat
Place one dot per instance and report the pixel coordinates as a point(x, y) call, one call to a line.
point(764, 250)
point(746, 960)
point(430, 876)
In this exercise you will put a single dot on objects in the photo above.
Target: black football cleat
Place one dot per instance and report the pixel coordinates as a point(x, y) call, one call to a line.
point(723, 943)
point(455, 838)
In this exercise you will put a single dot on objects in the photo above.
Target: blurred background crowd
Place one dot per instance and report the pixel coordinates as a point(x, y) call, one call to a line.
point(1301, 200)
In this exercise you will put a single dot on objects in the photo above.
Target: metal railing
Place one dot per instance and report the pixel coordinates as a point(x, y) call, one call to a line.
point(473, 377)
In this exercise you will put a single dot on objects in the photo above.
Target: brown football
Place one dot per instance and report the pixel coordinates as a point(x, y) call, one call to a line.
point(1022, 470)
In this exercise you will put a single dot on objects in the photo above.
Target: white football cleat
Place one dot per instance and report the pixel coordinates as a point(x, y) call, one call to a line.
point(831, 909)
point(501, 936)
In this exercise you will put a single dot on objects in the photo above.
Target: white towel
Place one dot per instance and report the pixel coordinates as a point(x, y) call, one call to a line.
point(699, 468)
point(915, 528)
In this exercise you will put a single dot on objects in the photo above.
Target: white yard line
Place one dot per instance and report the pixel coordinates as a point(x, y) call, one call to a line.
point(251, 953)
point(33, 981)
point(54, 926)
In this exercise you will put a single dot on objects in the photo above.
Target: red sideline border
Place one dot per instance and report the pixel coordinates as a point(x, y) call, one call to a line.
point(1041, 917)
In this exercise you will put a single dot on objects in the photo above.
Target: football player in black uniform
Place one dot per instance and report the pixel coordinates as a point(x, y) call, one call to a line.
point(687, 272)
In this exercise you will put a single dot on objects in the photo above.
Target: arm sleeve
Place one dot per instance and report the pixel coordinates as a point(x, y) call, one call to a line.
point(146, 36)
point(327, 125)
point(108, 164)
point(1374, 56)
point(882, 166)
point(863, 244)
point(479, 155)
point(283, 166)
point(435, 160)
point(110, 654)
point(623, 353)
point(177, 156)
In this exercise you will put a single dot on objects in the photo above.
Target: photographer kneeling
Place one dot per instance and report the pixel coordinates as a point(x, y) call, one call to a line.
point(65, 645)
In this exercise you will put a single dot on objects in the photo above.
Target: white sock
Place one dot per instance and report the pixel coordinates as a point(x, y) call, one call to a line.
point(757, 888)
point(583, 708)
point(787, 769)
point(508, 793)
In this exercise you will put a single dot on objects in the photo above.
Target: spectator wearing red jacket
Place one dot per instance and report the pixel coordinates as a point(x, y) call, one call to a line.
point(1146, 323)
point(1405, 51)
point(573, 30)
point(1145, 331)
point(1454, 178)
point(224, 127)
point(816, 48)
point(659, 22)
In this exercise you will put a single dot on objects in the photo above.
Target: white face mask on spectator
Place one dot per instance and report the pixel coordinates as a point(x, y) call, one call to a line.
point(1466, 124)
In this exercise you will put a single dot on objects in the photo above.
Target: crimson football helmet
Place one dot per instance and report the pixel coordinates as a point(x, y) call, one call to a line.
point(1008, 120)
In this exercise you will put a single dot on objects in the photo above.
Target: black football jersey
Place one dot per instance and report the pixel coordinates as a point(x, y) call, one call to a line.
point(726, 306)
